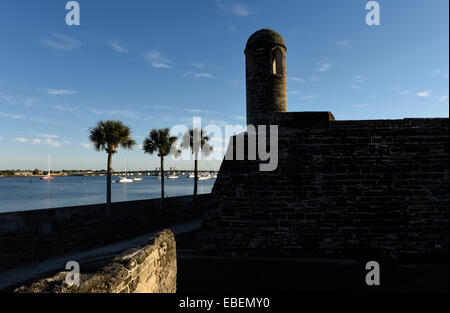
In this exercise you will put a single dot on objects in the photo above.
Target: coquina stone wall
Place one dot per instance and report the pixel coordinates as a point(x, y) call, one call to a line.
point(84, 217)
point(148, 269)
point(373, 188)
point(32, 236)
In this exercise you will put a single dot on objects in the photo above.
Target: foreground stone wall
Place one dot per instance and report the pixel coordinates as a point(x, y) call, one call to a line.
point(375, 188)
point(52, 221)
point(32, 236)
point(150, 269)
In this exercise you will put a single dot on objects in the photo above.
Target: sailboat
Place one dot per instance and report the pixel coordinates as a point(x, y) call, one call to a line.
point(124, 179)
point(48, 177)
point(204, 176)
point(138, 177)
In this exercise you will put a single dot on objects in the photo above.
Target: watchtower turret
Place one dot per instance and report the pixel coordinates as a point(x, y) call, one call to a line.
point(265, 59)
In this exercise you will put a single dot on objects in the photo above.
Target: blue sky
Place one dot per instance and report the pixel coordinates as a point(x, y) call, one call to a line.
point(156, 63)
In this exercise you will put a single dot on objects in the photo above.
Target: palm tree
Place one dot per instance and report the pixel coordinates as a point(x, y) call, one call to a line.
point(197, 141)
point(161, 142)
point(109, 136)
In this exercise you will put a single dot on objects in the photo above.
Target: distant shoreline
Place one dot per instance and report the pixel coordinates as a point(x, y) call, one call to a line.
point(100, 174)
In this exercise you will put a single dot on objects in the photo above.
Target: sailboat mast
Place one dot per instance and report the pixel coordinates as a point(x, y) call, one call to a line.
point(48, 174)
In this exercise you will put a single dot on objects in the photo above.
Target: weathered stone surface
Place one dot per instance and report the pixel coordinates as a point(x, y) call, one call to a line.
point(129, 273)
point(31, 236)
point(375, 188)
point(266, 90)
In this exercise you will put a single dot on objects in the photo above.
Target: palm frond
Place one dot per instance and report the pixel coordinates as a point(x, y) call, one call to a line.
point(159, 140)
point(111, 135)
point(196, 140)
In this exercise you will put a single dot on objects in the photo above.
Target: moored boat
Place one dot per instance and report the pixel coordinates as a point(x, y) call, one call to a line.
point(48, 176)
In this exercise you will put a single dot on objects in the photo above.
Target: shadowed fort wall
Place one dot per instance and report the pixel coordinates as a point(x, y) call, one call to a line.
point(376, 188)
point(150, 269)
point(32, 236)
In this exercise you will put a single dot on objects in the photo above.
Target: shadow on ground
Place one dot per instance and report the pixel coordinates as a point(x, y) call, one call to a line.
point(262, 276)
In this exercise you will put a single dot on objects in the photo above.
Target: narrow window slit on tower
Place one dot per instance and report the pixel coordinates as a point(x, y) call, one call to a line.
point(277, 65)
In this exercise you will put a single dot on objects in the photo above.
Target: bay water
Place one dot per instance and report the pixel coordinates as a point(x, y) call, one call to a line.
point(25, 193)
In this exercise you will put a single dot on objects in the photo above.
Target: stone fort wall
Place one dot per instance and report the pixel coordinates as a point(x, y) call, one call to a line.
point(150, 269)
point(32, 236)
point(375, 188)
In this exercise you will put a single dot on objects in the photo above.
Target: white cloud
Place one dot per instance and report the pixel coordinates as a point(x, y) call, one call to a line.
point(344, 44)
point(220, 123)
point(362, 105)
point(157, 60)
point(27, 101)
point(240, 10)
point(12, 116)
point(125, 113)
point(47, 135)
point(163, 107)
point(295, 79)
point(360, 79)
point(435, 73)
point(8, 98)
point(240, 118)
point(237, 83)
point(118, 47)
point(61, 42)
point(1, 138)
point(203, 75)
point(198, 65)
point(46, 139)
point(54, 143)
point(401, 91)
point(293, 92)
point(315, 78)
point(34, 119)
point(198, 75)
point(64, 108)
point(323, 67)
point(309, 97)
point(424, 94)
point(201, 111)
point(85, 145)
point(59, 92)
point(233, 7)
point(443, 98)
point(20, 139)
point(95, 111)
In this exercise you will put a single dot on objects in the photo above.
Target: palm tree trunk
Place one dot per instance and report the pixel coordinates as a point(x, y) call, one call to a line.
point(162, 183)
point(108, 187)
point(195, 174)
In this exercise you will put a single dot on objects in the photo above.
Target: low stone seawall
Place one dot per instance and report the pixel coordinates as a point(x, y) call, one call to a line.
point(148, 269)
point(31, 236)
point(48, 221)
